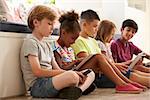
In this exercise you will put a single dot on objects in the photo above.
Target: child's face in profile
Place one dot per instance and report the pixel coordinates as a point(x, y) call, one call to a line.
point(45, 27)
point(111, 35)
point(91, 28)
point(69, 38)
point(128, 33)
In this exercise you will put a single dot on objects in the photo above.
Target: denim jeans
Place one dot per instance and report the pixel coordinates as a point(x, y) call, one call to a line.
point(43, 88)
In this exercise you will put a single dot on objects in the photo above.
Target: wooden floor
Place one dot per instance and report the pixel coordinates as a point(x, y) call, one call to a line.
point(98, 94)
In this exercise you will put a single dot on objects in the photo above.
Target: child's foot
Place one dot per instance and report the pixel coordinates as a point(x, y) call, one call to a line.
point(129, 88)
point(90, 89)
point(139, 86)
point(70, 93)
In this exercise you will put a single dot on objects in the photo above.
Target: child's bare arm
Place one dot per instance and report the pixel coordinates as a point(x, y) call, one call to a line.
point(63, 65)
point(55, 65)
point(38, 71)
point(82, 55)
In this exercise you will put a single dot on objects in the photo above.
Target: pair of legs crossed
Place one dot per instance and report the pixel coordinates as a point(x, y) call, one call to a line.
point(71, 78)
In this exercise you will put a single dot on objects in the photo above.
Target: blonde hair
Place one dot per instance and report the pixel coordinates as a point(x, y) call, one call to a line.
point(104, 30)
point(40, 12)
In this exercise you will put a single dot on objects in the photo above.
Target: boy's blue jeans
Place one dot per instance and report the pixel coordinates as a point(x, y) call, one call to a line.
point(43, 88)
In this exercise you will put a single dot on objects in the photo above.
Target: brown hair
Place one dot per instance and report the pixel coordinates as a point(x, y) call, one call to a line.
point(69, 22)
point(40, 12)
point(104, 30)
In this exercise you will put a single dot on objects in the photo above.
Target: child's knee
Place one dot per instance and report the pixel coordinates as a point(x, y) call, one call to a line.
point(99, 56)
point(91, 75)
point(72, 77)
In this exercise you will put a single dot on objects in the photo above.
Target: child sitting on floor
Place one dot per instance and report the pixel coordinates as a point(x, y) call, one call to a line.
point(43, 77)
point(123, 49)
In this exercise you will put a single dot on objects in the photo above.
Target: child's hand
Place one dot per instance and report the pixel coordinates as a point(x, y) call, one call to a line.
point(122, 67)
point(140, 62)
point(80, 59)
point(77, 61)
point(82, 77)
point(127, 62)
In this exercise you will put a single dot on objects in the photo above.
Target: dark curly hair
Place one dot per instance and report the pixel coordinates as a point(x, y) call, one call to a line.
point(69, 22)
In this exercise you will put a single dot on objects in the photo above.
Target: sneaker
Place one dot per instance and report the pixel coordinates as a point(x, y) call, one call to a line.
point(129, 88)
point(90, 89)
point(70, 93)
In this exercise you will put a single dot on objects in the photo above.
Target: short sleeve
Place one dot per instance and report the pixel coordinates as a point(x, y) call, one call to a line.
point(79, 46)
point(53, 45)
point(135, 49)
point(114, 51)
point(30, 47)
point(102, 46)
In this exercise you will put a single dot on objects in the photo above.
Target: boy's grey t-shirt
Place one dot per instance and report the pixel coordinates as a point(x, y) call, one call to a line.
point(41, 49)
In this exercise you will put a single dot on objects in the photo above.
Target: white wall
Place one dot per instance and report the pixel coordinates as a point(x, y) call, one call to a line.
point(141, 39)
point(11, 81)
point(107, 9)
point(114, 10)
point(147, 27)
point(139, 17)
point(79, 5)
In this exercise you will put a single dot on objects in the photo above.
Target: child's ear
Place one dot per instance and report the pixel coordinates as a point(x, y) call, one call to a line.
point(35, 22)
point(62, 31)
point(84, 23)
